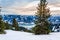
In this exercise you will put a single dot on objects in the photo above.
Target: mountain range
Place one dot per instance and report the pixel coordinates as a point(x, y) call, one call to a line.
point(28, 20)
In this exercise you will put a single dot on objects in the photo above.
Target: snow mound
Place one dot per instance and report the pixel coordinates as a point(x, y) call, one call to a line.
point(18, 35)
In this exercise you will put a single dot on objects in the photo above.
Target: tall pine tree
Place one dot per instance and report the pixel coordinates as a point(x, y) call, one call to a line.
point(42, 24)
point(2, 26)
point(15, 25)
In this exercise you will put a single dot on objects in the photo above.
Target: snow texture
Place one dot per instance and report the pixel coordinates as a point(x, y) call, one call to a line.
point(18, 35)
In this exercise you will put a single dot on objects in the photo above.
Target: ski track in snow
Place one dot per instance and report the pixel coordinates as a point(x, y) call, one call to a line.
point(18, 35)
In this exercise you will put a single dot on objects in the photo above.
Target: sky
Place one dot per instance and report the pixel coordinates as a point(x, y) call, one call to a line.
point(27, 7)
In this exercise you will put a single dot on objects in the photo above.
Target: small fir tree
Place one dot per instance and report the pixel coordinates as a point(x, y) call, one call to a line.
point(15, 25)
point(7, 25)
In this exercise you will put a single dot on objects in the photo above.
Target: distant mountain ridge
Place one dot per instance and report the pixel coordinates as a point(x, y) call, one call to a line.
point(22, 19)
point(28, 20)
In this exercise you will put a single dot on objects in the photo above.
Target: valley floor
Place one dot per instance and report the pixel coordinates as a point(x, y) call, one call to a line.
point(16, 35)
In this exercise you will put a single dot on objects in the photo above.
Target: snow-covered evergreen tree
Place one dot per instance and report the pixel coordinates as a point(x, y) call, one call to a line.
point(42, 24)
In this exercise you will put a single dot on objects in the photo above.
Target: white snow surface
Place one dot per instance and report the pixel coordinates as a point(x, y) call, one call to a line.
point(18, 35)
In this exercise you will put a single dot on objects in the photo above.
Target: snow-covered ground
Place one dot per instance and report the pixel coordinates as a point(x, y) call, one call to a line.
point(17, 35)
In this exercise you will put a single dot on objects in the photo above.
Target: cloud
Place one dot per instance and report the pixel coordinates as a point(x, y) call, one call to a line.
point(34, 3)
point(54, 8)
point(7, 3)
point(30, 8)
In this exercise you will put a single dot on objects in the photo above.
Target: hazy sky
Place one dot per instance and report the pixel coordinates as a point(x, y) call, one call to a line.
point(21, 2)
point(25, 6)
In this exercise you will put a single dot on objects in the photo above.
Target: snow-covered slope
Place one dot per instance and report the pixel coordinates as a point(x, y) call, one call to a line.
point(15, 35)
